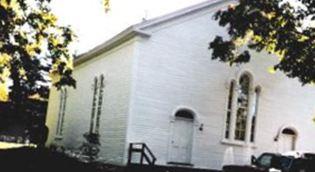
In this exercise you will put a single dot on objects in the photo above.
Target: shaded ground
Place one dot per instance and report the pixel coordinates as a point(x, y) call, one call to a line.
point(43, 160)
point(26, 122)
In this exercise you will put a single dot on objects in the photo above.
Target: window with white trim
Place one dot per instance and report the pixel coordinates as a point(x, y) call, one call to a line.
point(62, 111)
point(254, 116)
point(97, 101)
point(229, 110)
point(242, 107)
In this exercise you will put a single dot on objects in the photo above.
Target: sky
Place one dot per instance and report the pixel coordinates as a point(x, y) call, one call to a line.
point(93, 26)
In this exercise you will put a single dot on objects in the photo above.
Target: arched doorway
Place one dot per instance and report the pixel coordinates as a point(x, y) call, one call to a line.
point(182, 137)
point(287, 138)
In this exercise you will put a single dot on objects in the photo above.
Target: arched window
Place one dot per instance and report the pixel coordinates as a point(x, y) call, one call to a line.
point(288, 131)
point(229, 110)
point(242, 107)
point(184, 114)
point(253, 122)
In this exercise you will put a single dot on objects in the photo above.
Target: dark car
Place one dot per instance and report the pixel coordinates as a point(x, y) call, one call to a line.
point(305, 163)
point(267, 162)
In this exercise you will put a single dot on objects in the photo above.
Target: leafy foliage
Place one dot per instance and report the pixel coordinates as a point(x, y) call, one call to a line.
point(279, 27)
point(34, 50)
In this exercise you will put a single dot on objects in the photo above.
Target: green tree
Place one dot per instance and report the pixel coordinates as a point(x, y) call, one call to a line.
point(34, 51)
point(280, 27)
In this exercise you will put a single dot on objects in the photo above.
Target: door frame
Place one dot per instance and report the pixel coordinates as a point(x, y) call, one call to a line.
point(288, 142)
point(292, 133)
point(280, 133)
point(171, 133)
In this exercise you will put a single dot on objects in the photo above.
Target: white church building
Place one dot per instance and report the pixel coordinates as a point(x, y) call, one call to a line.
point(155, 83)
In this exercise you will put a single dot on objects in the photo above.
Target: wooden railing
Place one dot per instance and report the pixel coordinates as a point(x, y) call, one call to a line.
point(144, 151)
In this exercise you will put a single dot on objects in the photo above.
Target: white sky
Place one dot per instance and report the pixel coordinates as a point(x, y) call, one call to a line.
point(93, 26)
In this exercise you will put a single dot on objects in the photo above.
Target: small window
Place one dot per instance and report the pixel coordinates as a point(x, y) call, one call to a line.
point(288, 131)
point(184, 114)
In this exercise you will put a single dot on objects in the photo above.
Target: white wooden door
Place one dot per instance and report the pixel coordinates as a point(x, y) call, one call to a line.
point(287, 143)
point(181, 143)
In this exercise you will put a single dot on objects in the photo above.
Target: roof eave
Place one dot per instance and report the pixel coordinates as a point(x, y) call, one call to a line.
point(183, 12)
point(122, 37)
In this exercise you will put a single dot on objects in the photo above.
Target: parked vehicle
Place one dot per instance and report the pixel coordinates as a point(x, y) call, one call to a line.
point(268, 162)
point(300, 154)
point(303, 162)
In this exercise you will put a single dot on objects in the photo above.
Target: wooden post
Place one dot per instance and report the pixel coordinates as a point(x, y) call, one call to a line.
point(130, 154)
point(142, 152)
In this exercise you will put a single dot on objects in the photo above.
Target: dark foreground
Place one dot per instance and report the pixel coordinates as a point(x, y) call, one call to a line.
point(44, 160)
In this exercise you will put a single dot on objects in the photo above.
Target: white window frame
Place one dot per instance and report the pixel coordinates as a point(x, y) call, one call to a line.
point(97, 103)
point(61, 113)
point(232, 128)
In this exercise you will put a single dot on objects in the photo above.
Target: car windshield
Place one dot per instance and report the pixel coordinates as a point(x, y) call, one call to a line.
point(264, 160)
point(270, 160)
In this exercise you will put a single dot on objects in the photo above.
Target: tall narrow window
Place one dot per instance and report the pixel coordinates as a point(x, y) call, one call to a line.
point(253, 122)
point(242, 107)
point(98, 90)
point(62, 110)
point(229, 111)
point(100, 103)
point(95, 90)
